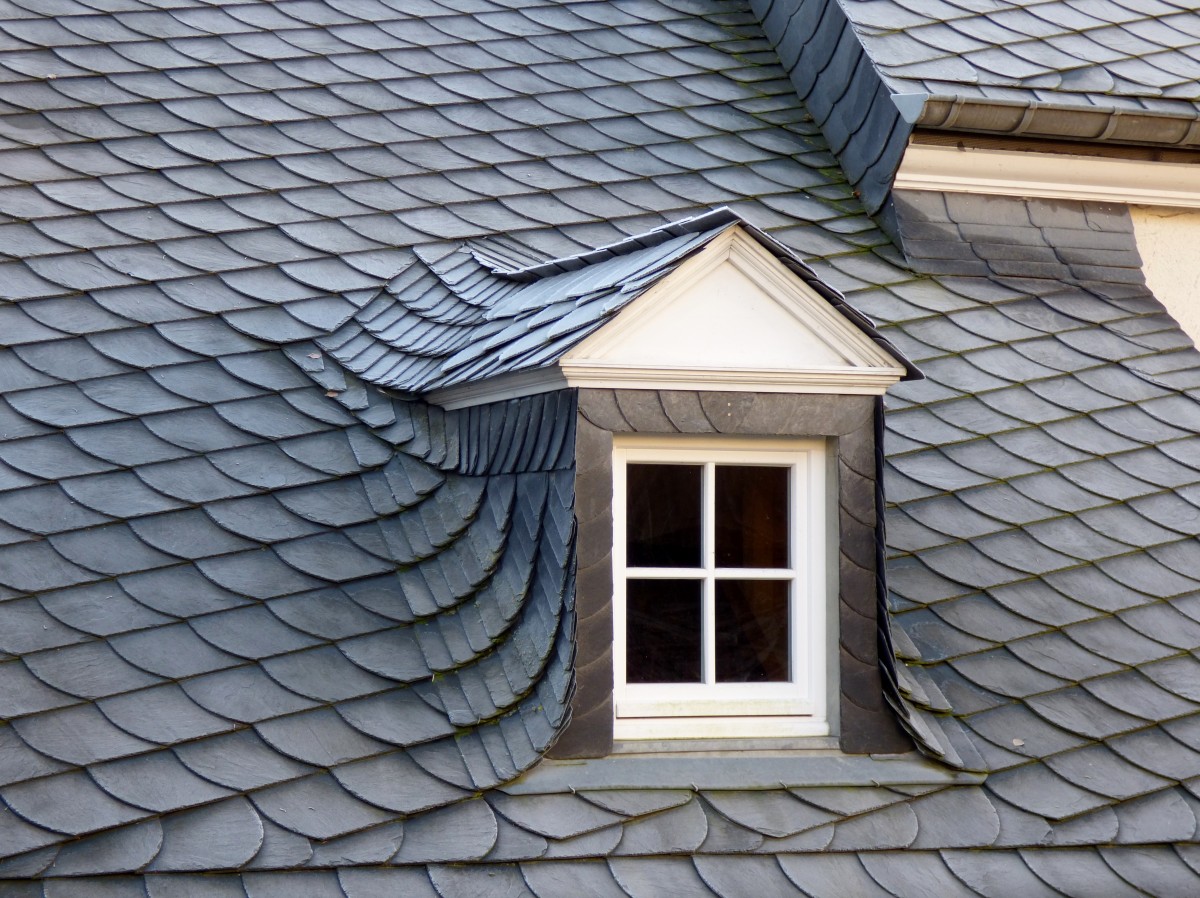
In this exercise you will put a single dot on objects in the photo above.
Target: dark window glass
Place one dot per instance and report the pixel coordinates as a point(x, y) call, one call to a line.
point(662, 631)
point(663, 515)
point(752, 631)
point(752, 516)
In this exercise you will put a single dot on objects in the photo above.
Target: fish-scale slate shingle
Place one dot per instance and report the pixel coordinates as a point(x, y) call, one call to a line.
point(270, 624)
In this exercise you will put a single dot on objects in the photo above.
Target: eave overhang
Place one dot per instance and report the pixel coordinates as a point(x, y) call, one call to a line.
point(1025, 172)
point(1061, 121)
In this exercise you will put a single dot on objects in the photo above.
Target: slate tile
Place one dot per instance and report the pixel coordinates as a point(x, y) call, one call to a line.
point(108, 549)
point(825, 875)
point(1163, 750)
point(984, 871)
point(373, 845)
point(332, 557)
point(1056, 654)
point(322, 673)
point(60, 406)
point(196, 430)
point(1131, 692)
point(375, 882)
point(194, 885)
point(244, 694)
point(162, 714)
point(206, 337)
point(123, 849)
point(1153, 870)
point(45, 509)
point(677, 830)
point(126, 443)
point(259, 574)
point(181, 591)
point(69, 803)
point(26, 838)
point(1079, 868)
point(396, 654)
point(260, 518)
point(70, 359)
point(100, 609)
point(472, 820)
point(554, 816)
point(264, 466)
point(280, 848)
point(317, 737)
point(133, 394)
point(218, 836)
point(1164, 624)
point(173, 651)
point(641, 877)
point(393, 781)
point(156, 782)
point(328, 614)
point(914, 873)
point(198, 295)
point(1099, 769)
point(25, 694)
point(28, 628)
point(773, 814)
point(138, 348)
point(88, 670)
point(1037, 789)
point(1077, 711)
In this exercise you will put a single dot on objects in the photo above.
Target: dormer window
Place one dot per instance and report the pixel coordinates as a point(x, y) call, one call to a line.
point(719, 587)
point(725, 484)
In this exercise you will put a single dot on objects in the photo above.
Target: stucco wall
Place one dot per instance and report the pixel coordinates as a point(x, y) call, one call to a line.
point(1169, 243)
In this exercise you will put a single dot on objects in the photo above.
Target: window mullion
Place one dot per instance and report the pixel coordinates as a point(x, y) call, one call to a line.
point(708, 544)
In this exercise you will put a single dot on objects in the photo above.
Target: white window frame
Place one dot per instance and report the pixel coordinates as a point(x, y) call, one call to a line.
point(730, 710)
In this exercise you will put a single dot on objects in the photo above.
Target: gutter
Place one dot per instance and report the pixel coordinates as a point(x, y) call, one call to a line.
point(1051, 120)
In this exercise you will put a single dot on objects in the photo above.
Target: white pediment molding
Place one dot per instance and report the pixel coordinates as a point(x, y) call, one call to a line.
point(733, 317)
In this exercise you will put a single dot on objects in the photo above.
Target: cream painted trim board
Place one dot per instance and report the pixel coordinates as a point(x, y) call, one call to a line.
point(1028, 173)
point(874, 381)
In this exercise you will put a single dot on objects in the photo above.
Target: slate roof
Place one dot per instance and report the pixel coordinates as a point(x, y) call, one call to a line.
point(453, 317)
point(1121, 54)
point(261, 618)
point(874, 71)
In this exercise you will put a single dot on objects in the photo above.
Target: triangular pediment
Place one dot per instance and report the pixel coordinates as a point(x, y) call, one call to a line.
point(733, 317)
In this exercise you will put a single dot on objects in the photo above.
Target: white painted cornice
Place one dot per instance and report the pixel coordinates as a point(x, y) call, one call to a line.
point(1051, 175)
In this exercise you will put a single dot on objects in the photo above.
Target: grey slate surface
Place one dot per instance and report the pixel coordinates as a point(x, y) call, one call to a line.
point(1134, 54)
point(258, 618)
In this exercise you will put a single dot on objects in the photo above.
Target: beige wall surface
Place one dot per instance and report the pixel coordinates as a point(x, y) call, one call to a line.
point(1169, 242)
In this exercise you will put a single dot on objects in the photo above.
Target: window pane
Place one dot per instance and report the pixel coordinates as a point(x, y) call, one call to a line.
point(752, 516)
point(752, 631)
point(662, 631)
point(663, 515)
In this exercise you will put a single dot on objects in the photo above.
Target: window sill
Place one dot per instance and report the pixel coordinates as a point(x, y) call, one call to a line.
point(723, 746)
point(734, 767)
